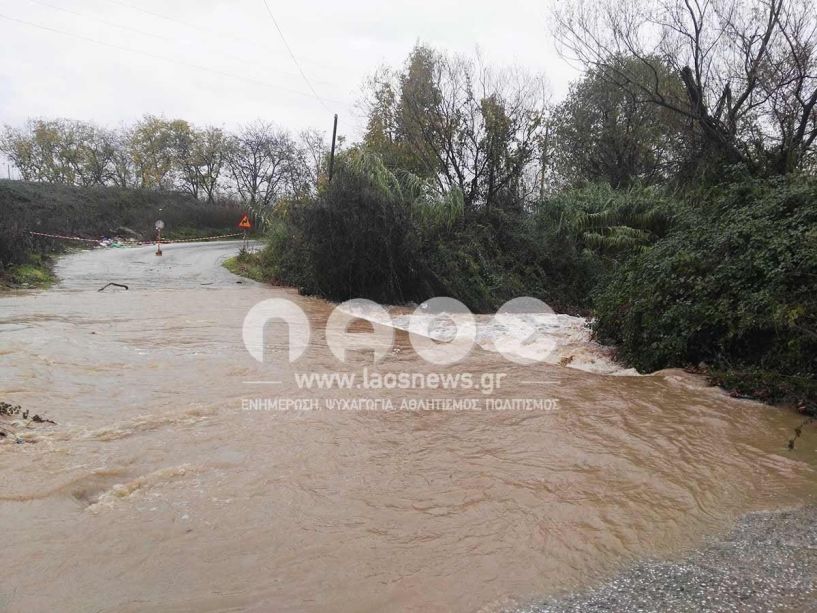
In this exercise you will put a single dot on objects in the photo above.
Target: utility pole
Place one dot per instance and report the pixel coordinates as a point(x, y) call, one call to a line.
point(544, 161)
point(332, 155)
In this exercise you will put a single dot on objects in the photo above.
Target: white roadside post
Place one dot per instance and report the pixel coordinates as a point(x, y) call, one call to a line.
point(159, 225)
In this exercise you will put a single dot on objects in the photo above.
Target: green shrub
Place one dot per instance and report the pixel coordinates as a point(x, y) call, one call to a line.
point(388, 237)
point(246, 264)
point(734, 285)
point(391, 237)
point(355, 240)
point(583, 235)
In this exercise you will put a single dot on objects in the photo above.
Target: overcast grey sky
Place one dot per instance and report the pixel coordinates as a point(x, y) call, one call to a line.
point(222, 62)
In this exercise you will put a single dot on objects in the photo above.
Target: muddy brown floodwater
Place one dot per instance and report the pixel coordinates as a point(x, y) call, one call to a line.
point(157, 491)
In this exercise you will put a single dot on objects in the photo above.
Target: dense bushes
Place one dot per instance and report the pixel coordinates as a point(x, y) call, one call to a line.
point(583, 235)
point(384, 236)
point(734, 285)
point(393, 238)
point(355, 240)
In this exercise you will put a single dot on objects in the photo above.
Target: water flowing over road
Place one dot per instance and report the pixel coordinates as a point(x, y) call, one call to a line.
point(157, 490)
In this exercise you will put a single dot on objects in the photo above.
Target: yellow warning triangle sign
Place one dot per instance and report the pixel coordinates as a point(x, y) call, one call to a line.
point(245, 222)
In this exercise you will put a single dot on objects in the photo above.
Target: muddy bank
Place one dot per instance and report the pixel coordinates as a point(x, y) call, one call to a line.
point(768, 562)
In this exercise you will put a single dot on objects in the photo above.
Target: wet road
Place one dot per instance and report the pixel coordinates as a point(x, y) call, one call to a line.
point(181, 265)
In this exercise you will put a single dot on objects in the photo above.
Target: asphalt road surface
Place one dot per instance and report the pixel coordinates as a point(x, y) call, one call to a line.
point(182, 265)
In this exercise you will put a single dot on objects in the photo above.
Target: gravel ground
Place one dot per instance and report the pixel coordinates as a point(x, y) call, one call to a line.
point(768, 562)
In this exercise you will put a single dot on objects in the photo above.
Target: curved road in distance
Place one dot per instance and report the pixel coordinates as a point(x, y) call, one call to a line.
point(182, 265)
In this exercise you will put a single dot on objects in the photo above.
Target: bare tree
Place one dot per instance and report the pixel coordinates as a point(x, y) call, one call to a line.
point(154, 146)
point(92, 157)
point(59, 151)
point(314, 149)
point(35, 149)
point(201, 155)
point(748, 68)
point(122, 169)
point(265, 163)
point(18, 146)
point(460, 124)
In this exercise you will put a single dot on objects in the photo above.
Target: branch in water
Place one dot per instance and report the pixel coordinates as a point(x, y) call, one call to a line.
point(114, 284)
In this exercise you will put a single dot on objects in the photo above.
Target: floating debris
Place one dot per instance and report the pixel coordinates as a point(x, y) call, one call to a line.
point(104, 287)
point(15, 410)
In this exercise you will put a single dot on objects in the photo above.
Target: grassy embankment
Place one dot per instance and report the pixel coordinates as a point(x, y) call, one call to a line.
point(247, 264)
point(93, 213)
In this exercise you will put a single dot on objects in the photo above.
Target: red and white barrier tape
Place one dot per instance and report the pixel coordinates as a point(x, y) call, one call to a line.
point(164, 242)
point(204, 238)
point(67, 238)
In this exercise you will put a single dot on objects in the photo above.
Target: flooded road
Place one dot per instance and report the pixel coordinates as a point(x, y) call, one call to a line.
point(158, 490)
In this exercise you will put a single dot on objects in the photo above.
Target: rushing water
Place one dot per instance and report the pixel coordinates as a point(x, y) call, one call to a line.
point(156, 491)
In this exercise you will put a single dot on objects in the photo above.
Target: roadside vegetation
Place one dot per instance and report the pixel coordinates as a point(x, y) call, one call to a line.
point(248, 264)
point(671, 195)
point(34, 273)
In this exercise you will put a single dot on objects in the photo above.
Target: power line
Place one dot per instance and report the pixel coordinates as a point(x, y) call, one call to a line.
point(151, 34)
point(292, 55)
point(156, 56)
point(98, 19)
point(208, 31)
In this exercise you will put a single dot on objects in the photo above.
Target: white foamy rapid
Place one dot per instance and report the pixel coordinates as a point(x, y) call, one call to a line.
point(543, 337)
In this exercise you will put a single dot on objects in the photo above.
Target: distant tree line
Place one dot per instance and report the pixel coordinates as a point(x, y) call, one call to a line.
point(673, 92)
point(258, 164)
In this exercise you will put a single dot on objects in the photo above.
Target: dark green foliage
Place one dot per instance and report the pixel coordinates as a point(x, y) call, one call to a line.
point(389, 237)
point(768, 386)
point(684, 255)
point(484, 262)
point(355, 240)
point(605, 131)
point(724, 276)
point(504, 254)
point(733, 285)
point(610, 223)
